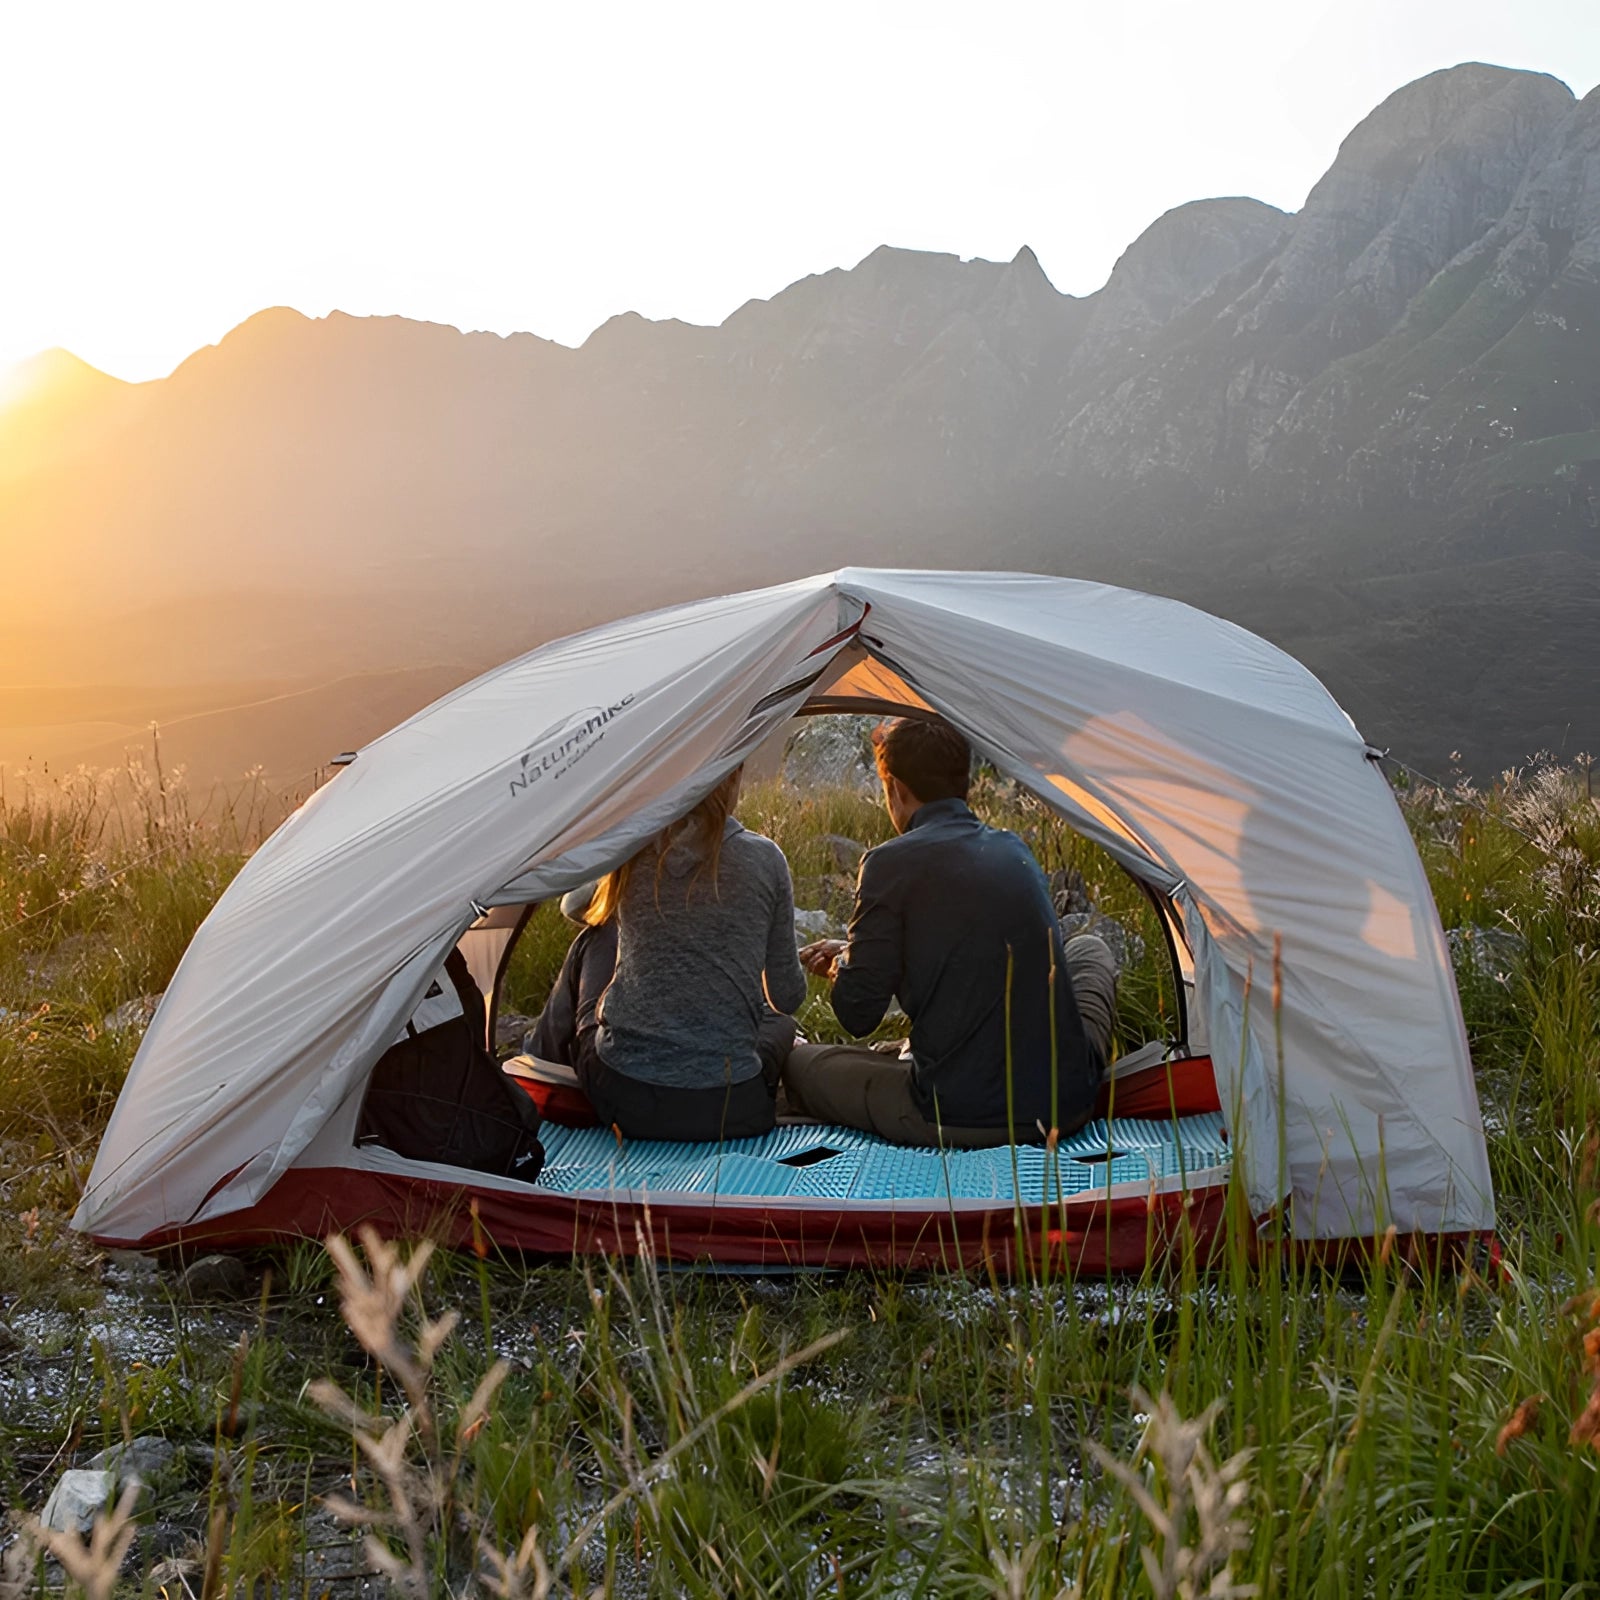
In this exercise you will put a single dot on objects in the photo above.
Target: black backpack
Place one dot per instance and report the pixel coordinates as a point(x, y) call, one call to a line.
point(437, 1094)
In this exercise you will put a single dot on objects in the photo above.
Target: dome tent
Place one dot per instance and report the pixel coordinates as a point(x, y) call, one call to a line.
point(1212, 766)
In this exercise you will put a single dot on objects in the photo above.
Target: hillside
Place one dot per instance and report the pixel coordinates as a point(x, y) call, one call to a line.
point(1369, 430)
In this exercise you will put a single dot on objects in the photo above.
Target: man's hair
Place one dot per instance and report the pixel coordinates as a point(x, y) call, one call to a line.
point(927, 755)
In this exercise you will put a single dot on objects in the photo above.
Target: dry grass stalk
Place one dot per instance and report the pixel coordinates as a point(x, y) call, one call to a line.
point(1018, 1578)
point(421, 1494)
point(1191, 1483)
point(94, 1566)
point(523, 1576)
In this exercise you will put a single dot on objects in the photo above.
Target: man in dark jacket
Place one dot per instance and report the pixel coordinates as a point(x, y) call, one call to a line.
point(1009, 1030)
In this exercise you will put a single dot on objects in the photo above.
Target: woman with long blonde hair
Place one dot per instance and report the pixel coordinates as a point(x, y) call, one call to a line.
point(688, 1037)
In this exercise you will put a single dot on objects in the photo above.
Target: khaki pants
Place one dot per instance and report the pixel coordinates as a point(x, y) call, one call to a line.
point(855, 1086)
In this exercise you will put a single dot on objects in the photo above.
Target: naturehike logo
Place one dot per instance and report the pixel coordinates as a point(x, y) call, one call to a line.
point(562, 745)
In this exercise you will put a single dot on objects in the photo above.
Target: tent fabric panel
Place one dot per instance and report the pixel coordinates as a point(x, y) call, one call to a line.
point(867, 679)
point(1234, 769)
point(317, 950)
point(484, 945)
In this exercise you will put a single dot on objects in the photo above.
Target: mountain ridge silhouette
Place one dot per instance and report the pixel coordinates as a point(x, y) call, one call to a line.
point(1367, 430)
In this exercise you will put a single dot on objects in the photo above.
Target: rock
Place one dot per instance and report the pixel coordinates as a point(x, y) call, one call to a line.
point(834, 896)
point(80, 1496)
point(132, 1016)
point(130, 1266)
point(509, 1028)
point(1490, 954)
point(137, 1461)
point(847, 852)
point(831, 753)
point(1078, 914)
point(213, 1278)
point(1126, 946)
point(1069, 893)
point(812, 925)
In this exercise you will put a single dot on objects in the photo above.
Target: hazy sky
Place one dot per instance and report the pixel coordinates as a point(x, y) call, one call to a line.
point(170, 169)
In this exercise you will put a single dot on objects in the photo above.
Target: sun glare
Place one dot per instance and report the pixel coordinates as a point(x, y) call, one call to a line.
point(19, 381)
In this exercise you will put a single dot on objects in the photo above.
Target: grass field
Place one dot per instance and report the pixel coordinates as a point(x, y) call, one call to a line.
point(587, 1427)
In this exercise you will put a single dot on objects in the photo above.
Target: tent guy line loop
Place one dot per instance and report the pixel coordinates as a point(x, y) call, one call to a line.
point(103, 883)
point(1380, 757)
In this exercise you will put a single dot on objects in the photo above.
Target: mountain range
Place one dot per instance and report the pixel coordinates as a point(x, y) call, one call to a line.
point(1369, 430)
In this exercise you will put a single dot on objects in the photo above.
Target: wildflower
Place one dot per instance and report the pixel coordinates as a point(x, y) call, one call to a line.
point(1586, 1166)
point(1586, 1430)
point(1521, 1420)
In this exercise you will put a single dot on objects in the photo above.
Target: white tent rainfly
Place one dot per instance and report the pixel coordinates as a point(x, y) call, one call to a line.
point(1212, 767)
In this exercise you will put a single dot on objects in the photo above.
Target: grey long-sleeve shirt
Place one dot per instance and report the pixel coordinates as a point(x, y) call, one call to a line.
point(688, 996)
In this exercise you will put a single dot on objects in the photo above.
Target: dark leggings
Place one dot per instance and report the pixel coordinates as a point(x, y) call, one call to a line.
point(566, 1032)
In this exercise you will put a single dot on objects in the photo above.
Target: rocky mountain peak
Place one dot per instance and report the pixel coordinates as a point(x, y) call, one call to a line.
point(1396, 135)
point(1181, 255)
point(1433, 164)
point(1558, 204)
point(1024, 315)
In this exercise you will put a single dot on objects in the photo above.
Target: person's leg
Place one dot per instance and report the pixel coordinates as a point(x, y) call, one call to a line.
point(855, 1086)
point(640, 1110)
point(846, 1084)
point(586, 973)
point(743, 1110)
point(1093, 971)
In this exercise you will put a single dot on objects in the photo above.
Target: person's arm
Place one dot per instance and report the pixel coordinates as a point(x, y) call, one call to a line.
point(867, 974)
point(785, 982)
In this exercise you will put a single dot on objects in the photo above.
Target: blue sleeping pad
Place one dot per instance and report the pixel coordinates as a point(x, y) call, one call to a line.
point(830, 1163)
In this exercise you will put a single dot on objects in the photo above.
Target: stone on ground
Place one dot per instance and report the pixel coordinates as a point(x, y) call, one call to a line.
point(138, 1460)
point(80, 1496)
point(132, 1016)
point(214, 1278)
